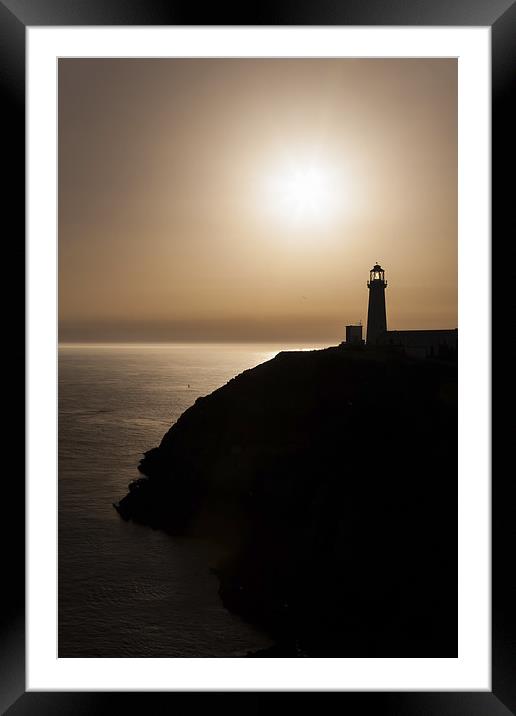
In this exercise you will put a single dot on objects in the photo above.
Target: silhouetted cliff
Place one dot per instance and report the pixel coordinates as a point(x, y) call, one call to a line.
point(330, 480)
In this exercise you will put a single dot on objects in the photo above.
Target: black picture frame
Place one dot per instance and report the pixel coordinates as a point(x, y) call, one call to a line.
point(500, 16)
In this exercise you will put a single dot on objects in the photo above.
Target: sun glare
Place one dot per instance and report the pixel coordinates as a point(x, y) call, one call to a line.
point(304, 193)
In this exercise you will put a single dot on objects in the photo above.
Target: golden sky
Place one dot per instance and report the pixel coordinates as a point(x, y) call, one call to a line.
point(247, 199)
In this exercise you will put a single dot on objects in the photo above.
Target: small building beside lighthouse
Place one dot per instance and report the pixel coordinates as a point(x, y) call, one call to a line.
point(354, 334)
point(439, 343)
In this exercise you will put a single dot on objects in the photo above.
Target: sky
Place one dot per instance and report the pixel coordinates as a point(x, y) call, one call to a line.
point(247, 199)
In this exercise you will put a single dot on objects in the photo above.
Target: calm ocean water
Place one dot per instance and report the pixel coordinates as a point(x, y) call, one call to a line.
point(124, 589)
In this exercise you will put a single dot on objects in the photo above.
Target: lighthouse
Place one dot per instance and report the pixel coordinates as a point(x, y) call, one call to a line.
point(376, 313)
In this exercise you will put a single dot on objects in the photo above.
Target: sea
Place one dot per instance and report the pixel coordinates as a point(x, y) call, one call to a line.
point(126, 590)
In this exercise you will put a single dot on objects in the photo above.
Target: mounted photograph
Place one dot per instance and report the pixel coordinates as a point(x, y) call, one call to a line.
point(258, 357)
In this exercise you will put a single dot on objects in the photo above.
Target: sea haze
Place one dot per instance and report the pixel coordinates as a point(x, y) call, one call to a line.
point(124, 589)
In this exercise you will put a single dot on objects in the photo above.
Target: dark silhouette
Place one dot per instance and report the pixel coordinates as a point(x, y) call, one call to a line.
point(440, 342)
point(376, 313)
point(329, 479)
point(354, 334)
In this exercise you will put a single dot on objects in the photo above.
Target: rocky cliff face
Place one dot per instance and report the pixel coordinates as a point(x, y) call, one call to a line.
point(330, 480)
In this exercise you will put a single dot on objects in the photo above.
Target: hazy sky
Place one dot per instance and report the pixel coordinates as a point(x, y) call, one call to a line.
point(248, 199)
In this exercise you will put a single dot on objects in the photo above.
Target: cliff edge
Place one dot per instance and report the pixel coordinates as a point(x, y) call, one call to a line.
point(329, 478)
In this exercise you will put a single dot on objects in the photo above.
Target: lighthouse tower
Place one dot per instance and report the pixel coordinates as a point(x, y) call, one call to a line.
point(376, 314)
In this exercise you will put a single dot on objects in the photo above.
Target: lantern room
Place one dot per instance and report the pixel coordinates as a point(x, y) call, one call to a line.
point(377, 274)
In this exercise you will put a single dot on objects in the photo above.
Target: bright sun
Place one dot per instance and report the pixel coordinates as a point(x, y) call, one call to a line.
point(303, 193)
